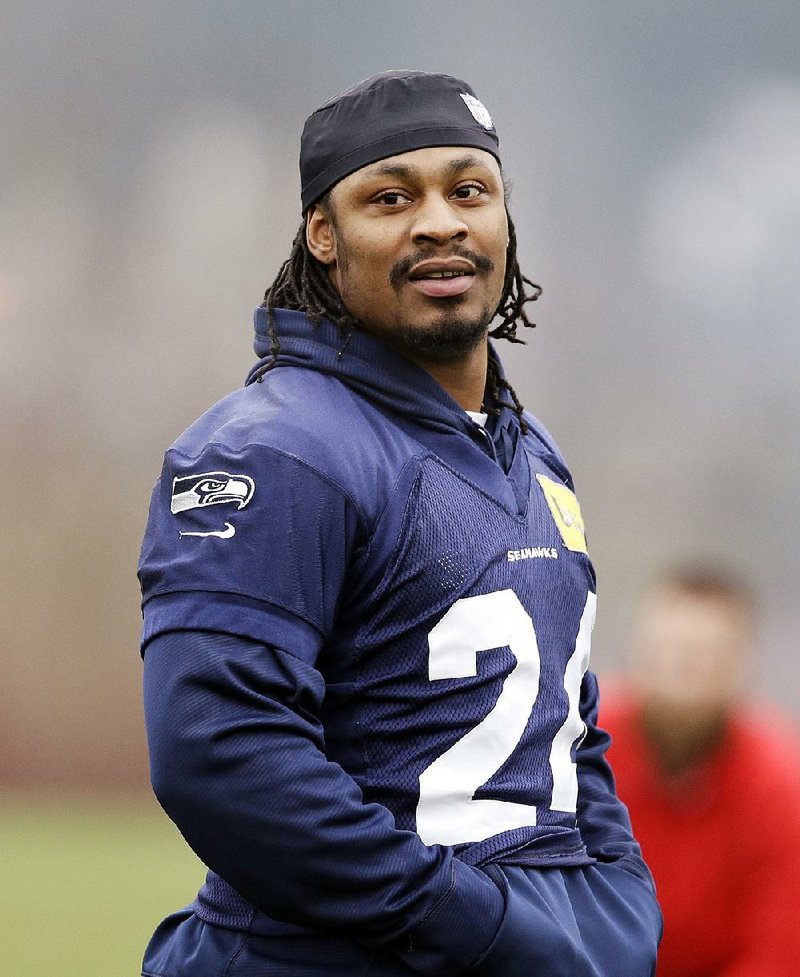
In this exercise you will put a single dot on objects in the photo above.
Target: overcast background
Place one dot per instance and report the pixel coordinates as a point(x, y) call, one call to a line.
point(149, 192)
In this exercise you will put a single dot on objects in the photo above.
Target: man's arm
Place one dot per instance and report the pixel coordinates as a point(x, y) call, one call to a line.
point(232, 631)
point(238, 762)
point(603, 819)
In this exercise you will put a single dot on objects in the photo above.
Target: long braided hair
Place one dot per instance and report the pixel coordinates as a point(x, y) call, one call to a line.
point(303, 284)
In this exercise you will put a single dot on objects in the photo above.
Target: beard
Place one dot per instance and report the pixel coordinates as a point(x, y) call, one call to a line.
point(452, 336)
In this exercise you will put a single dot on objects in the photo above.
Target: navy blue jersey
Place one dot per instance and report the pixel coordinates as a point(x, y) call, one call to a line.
point(346, 514)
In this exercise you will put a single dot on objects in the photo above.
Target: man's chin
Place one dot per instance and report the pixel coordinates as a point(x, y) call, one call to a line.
point(450, 337)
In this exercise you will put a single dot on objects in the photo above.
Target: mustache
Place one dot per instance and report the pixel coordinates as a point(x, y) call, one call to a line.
point(401, 268)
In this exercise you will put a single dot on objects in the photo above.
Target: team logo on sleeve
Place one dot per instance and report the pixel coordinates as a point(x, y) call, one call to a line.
point(566, 513)
point(211, 488)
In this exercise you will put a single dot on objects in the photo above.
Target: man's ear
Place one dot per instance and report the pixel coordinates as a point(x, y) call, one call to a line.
point(320, 235)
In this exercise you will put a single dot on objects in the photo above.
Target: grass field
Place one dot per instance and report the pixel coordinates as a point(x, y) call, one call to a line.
point(85, 879)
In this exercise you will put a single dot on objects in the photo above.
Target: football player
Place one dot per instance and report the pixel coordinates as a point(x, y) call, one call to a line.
point(368, 602)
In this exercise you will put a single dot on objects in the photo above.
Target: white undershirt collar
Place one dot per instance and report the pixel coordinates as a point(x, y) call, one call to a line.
point(479, 417)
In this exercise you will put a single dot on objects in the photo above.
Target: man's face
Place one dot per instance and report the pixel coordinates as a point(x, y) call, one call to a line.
point(690, 651)
point(416, 246)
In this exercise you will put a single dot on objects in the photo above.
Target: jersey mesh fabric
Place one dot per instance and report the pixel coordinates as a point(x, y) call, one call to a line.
point(453, 544)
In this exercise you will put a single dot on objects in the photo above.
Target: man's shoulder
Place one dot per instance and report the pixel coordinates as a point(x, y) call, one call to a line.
point(763, 734)
point(309, 418)
point(539, 440)
point(299, 408)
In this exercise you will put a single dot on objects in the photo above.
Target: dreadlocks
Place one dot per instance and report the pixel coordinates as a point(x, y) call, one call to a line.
point(303, 285)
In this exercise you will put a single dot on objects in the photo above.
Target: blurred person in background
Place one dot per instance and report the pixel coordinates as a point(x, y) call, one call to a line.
point(712, 782)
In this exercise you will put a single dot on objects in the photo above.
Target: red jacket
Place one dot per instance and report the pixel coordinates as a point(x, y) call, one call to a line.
point(723, 843)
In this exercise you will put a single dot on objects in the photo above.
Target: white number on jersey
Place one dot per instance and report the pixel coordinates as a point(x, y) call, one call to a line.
point(447, 812)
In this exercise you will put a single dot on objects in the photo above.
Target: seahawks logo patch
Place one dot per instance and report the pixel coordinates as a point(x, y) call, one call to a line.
point(211, 488)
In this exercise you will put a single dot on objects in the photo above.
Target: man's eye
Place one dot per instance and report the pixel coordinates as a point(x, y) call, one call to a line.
point(391, 198)
point(469, 191)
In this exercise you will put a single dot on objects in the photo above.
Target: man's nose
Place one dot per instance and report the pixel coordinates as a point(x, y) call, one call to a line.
point(437, 220)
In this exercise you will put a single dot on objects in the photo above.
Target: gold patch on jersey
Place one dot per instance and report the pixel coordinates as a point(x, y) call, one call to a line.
point(566, 513)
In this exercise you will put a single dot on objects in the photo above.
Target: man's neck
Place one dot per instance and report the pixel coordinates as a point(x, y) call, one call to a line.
point(464, 379)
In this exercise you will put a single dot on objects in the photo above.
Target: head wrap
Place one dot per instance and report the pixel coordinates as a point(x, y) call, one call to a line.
point(386, 114)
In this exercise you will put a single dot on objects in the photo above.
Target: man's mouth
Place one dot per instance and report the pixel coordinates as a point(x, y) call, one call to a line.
point(442, 278)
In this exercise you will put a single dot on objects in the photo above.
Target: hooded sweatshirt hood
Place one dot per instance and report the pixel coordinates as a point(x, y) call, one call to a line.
point(378, 373)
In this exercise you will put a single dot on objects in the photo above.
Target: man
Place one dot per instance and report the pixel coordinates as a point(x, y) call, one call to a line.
point(713, 786)
point(368, 602)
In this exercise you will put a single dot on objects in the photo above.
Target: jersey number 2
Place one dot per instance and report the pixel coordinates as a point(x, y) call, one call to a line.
point(448, 812)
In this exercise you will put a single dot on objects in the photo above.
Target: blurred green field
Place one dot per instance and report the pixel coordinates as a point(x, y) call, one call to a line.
point(85, 880)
